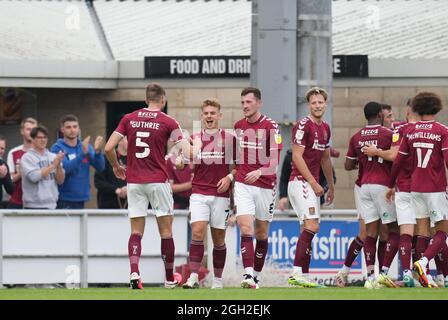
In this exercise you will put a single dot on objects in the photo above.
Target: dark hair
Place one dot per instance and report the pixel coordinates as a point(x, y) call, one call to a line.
point(38, 129)
point(385, 106)
point(154, 92)
point(314, 91)
point(408, 102)
point(255, 91)
point(426, 103)
point(68, 117)
point(372, 109)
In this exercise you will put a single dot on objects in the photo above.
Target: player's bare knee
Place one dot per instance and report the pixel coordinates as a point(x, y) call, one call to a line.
point(393, 227)
point(198, 234)
point(362, 235)
point(312, 225)
point(261, 235)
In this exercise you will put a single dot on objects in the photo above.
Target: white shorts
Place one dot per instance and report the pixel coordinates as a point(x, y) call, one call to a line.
point(214, 209)
point(373, 205)
point(403, 205)
point(140, 195)
point(357, 194)
point(254, 201)
point(303, 200)
point(433, 205)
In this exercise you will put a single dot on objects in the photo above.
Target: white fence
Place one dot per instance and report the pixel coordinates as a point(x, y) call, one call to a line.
point(81, 247)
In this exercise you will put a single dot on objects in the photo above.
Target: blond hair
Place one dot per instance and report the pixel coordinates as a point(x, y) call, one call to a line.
point(315, 91)
point(211, 102)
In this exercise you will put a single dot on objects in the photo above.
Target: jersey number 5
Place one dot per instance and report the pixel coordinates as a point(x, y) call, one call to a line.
point(423, 163)
point(142, 144)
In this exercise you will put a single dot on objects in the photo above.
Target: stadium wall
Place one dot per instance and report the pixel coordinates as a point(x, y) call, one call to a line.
point(185, 97)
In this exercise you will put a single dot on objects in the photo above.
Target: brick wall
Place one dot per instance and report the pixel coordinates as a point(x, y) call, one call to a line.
point(184, 105)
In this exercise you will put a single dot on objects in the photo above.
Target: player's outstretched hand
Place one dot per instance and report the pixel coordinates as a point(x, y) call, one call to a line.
point(120, 172)
point(390, 194)
point(252, 176)
point(224, 184)
point(179, 162)
point(317, 188)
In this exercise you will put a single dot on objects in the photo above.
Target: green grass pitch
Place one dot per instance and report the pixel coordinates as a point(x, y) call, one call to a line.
point(153, 293)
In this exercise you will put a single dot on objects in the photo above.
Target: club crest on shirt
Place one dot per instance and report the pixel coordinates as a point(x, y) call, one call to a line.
point(278, 138)
point(395, 137)
point(299, 134)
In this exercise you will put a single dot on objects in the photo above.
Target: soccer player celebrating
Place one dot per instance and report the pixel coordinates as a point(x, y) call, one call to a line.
point(376, 172)
point(210, 198)
point(148, 131)
point(310, 151)
point(425, 146)
point(259, 153)
point(403, 198)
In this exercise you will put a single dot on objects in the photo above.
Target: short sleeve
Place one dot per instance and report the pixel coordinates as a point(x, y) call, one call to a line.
point(327, 143)
point(176, 133)
point(122, 127)
point(397, 137)
point(404, 147)
point(351, 152)
point(274, 136)
point(444, 138)
point(299, 134)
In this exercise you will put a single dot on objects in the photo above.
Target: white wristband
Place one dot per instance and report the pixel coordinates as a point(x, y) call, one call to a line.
point(230, 176)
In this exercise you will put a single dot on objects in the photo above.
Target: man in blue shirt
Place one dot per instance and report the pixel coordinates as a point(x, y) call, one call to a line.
point(79, 156)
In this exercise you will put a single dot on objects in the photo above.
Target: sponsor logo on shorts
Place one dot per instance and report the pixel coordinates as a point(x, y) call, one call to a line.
point(385, 215)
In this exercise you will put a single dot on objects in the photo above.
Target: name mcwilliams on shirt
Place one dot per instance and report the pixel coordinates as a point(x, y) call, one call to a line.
point(424, 135)
point(258, 310)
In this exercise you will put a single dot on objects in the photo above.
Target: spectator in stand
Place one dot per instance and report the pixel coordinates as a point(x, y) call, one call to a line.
point(5, 177)
point(79, 156)
point(42, 172)
point(14, 157)
point(112, 192)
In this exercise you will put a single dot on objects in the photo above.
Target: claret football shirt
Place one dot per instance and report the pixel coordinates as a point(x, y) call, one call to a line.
point(148, 132)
